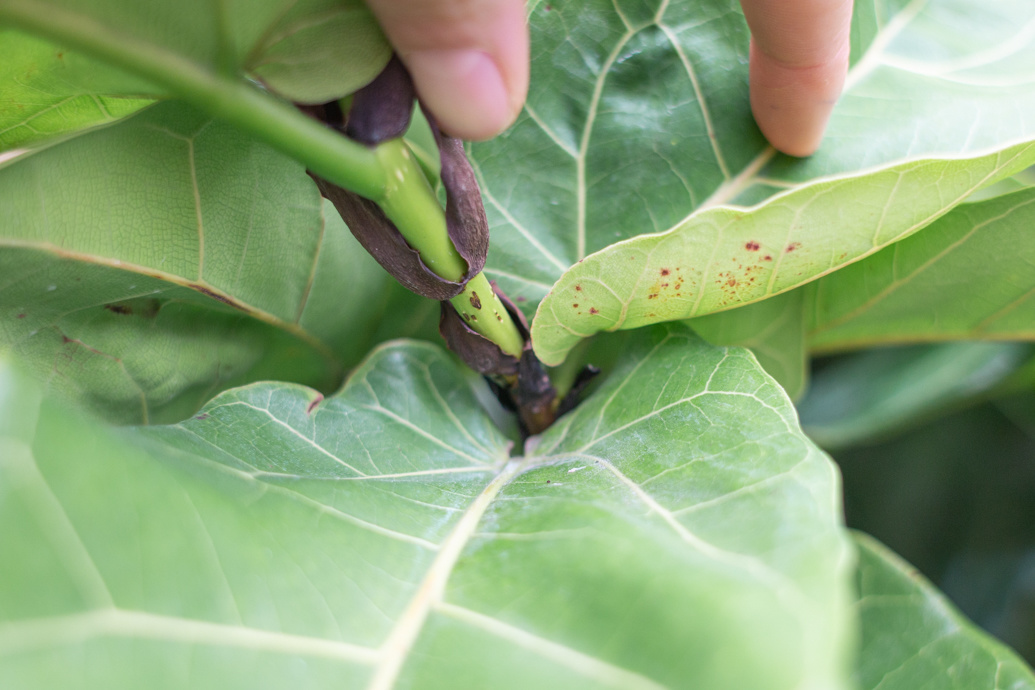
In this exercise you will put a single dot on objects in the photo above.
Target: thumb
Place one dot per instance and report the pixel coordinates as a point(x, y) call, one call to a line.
point(468, 59)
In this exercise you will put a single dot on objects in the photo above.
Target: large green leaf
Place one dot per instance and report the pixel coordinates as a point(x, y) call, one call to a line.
point(913, 638)
point(306, 50)
point(148, 265)
point(383, 537)
point(638, 122)
point(970, 275)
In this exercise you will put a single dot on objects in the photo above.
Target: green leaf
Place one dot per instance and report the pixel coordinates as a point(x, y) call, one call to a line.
point(307, 50)
point(773, 329)
point(638, 122)
point(383, 537)
point(48, 91)
point(320, 50)
point(148, 265)
point(868, 396)
point(912, 637)
point(970, 275)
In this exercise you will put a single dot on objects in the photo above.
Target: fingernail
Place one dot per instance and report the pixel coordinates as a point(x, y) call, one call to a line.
point(464, 90)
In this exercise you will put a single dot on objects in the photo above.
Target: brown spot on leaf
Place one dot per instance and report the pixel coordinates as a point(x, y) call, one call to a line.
point(578, 288)
point(519, 298)
point(665, 271)
point(203, 415)
point(793, 246)
point(575, 306)
point(593, 310)
point(752, 246)
point(21, 316)
point(221, 298)
point(767, 257)
point(314, 403)
point(119, 308)
point(475, 300)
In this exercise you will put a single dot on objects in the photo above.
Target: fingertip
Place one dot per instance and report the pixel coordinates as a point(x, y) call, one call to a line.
point(465, 90)
point(792, 105)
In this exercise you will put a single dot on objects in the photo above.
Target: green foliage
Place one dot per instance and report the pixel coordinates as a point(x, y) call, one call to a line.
point(176, 270)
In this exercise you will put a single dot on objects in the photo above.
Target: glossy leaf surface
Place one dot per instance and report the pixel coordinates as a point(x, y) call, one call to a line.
point(914, 638)
point(638, 122)
point(383, 537)
point(171, 256)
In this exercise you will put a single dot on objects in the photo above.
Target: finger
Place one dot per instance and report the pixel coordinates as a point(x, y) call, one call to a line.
point(799, 58)
point(468, 58)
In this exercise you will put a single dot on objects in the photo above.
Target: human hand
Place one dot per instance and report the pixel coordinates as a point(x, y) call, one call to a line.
point(469, 61)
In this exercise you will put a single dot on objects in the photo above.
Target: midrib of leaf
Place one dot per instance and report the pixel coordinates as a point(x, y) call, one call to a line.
point(199, 285)
point(35, 633)
point(594, 104)
point(900, 282)
point(431, 590)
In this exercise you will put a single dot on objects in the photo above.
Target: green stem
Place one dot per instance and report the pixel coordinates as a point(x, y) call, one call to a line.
point(479, 306)
point(325, 152)
point(410, 203)
point(387, 174)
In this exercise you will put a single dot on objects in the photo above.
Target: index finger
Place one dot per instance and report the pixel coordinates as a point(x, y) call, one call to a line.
point(799, 59)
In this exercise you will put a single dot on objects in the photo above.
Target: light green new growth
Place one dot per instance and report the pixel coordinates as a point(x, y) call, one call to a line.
point(411, 204)
point(387, 174)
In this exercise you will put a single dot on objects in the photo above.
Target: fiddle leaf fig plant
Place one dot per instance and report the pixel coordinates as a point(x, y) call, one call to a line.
point(234, 452)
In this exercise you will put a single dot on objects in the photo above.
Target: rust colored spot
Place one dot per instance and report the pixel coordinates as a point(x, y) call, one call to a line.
point(499, 318)
point(665, 271)
point(578, 288)
point(61, 55)
point(731, 282)
point(520, 299)
point(475, 301)
point(65, 338)
point(752, 246)
point(21, 316)
point(313, 404)
point(547, 481)
point(467, 316)
point(652, 295)
point(793, 246)
point(593, 310)
point(575, 306)
point(767, 257)
point(651, 315)
point(119, 308)
point(203, 415)
point(664, 285)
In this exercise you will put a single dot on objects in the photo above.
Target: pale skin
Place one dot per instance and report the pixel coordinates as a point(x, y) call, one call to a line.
point(469, 60)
